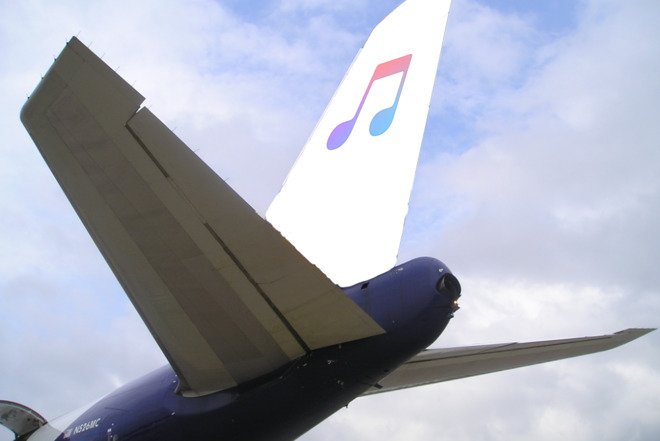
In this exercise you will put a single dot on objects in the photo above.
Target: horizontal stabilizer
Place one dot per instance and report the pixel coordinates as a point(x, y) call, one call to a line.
point(437, 365)
point(226, 297)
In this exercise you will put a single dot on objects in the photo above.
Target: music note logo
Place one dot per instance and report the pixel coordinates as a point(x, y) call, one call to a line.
point(383, 119)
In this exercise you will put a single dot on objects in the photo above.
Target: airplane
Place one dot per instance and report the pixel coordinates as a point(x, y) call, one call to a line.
point(262, 341)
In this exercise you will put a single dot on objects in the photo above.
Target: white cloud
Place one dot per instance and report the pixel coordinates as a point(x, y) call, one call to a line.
point(548, 214)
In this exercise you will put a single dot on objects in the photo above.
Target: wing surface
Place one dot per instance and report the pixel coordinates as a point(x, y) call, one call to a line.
point(437, 365)
point(226, 297)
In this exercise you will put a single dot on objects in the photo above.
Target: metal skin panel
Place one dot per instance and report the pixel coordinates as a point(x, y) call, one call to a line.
point(227, 298)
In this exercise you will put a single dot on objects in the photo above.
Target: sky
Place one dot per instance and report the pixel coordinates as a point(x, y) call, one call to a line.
point(538, 185)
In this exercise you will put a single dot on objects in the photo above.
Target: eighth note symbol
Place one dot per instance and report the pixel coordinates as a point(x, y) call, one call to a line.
point(383, 119)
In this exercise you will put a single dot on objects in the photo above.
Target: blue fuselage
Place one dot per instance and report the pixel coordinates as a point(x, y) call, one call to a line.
point(410, 302)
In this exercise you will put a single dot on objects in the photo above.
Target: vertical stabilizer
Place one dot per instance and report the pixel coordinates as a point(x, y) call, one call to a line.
point(345, 200)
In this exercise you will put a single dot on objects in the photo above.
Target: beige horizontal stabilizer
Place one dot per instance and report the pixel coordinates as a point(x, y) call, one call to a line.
point(227, 298)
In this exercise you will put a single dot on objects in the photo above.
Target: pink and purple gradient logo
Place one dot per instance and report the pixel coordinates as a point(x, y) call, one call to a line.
point(383, 119)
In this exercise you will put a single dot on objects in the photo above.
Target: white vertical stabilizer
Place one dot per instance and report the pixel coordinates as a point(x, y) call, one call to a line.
point(344, 202)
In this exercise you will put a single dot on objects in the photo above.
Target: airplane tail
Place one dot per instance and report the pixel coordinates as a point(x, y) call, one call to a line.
point(344, 202)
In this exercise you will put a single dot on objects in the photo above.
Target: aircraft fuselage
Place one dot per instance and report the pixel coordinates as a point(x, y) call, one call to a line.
point(410, 302)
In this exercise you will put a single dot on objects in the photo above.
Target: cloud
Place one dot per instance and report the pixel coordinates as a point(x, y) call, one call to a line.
point(569, 153)
point(538, 185)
